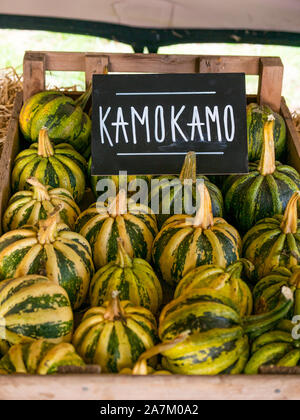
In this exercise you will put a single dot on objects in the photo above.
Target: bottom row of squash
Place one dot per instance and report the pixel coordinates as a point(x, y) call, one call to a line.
point(201, 333)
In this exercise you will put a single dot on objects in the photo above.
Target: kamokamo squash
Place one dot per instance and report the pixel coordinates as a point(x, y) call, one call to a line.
point(34, 307)
point(58, 166)
point(29, 207)
point(103, 223)
point(276, 348)
point(133, 278)
point(266, 293)
point(226, 281)
point(61, 115)
point(218, 340)
point(274, 241)
point(39, 357)
point(186, 242)
point(257, 116)
point(115, 334)
point(51, 249)
point(263, 192)
point(178, 195)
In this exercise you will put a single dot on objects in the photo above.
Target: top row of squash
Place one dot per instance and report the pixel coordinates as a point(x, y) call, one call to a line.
point(67, 122)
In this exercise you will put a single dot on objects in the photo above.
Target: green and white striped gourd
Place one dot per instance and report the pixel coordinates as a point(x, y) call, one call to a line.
point(178, 195)
point(102, 224)
point(257, 115)
point(133, 278)
point(274, 241)
point(186, 242)
point(218, 340)
point(226, 281)
point(114, 335)
point(34, 307)
point(59, 166)
point(29, 207)
point(51, 249)
point(266, 293)
point(39, 357)
point(264, 191)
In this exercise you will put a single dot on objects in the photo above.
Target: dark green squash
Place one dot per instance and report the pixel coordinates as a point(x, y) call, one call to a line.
point(275, 241)
point(169, 192)
point(263, 192)
point(257, 115)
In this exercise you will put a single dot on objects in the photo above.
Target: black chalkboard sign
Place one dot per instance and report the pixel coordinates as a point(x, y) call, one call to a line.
point(145, 124)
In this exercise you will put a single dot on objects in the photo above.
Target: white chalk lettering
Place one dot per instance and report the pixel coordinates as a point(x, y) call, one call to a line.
point(144, 120)
point(214, 117)
point(103, 126)
point(174, 124)
point(120, 123)
point(159, 115)
point(196, 124)
point(229, 109)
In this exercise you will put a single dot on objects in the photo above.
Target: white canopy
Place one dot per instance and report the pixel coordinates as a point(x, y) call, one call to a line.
point(262, 15)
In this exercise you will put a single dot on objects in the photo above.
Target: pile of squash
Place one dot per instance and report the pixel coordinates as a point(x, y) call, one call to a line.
point(209, 292)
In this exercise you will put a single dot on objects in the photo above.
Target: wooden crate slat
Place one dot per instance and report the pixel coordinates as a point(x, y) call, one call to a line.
point(9, 151)
point(173, 387)
point(270, 82)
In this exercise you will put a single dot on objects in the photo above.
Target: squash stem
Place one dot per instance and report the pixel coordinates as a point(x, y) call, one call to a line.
point(188, 170)
point(204, 217)
point(45, 148)
point(141, 368)
point(289, 222)
point(255, 325)
point(119, 205)
point(267, 161)
point(114, 310)
point(123, 259)
point(83, 99)
point(40, 191)
point(47, 228)
point(236, 269)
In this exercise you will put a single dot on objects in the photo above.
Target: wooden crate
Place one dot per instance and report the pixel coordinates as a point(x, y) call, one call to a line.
point(175, 387)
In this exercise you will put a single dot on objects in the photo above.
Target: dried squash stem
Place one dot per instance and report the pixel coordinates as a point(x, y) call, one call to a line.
point(289, 222)
point(188, 170)
point(40, 191)
point(45, 148)
point(267, 161)
point(204, 217)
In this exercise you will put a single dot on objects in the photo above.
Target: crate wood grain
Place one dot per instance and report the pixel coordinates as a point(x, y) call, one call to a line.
point(152, 387)
point(174, 387)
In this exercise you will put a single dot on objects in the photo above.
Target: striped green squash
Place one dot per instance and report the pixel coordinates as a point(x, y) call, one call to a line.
point(273, 348)
point(29, 207)
point(120, 181)
point(257, 115)
point(34, 307)
point(58, 166)
point(226, 281)
point(266, 293)
point(218, 342)
point(102, 224)
point(52, 250)
point(133, 278)
point(275, 241)
point(61, 115)
point(39, 357)
point(263, 192)
point(178, 195)
point(114, 335)
point(185, 242)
